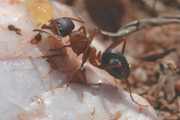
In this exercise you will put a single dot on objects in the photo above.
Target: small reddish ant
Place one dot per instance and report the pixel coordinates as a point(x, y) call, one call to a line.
point(110, 60)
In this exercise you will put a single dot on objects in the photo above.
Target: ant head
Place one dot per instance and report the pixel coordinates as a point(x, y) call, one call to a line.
point(65, 26)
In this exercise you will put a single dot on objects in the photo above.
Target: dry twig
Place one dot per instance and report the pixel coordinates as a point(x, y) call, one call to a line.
point(143, 24)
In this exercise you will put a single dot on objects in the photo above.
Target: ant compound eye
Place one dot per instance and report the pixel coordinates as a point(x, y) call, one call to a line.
point(60, 30)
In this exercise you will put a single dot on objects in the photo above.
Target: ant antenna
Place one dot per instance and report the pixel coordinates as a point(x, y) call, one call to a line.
point(78, 14)
point(43, 31)
point(82, 19)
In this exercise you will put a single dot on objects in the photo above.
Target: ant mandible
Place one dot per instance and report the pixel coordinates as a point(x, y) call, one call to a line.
point(110, 60)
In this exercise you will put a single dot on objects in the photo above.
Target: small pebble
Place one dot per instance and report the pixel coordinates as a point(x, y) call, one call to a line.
point(140, 75)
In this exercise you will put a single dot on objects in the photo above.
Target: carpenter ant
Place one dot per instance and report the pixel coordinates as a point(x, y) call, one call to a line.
point(61, 26)
point(110, 60)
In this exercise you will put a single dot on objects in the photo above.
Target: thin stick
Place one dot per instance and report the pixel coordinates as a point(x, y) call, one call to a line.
point(141, 24)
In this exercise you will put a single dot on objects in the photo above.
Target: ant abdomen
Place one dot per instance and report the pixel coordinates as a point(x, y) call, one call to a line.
point(112, 56)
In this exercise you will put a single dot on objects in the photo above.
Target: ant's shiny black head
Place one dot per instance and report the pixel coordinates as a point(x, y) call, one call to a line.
point(112, 56)
point(65, 26)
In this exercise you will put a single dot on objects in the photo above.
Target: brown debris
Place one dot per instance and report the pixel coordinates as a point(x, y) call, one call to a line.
point(177, 85)
point(36, 39)
point(13, 28)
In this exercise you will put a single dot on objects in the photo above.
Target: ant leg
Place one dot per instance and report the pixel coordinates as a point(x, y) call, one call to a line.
point(91, 36)
point(107, 66)
point(62, 48)
point(116, 43)
point(47, 56)
point(83, 30)
point(75, 75)
point(128, 85)
point(84, 59)
point(67, 45)
point(43, 31)
point(44, 26)
point(98, 56)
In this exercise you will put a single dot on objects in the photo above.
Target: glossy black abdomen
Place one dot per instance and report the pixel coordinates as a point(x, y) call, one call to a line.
point(112, 56)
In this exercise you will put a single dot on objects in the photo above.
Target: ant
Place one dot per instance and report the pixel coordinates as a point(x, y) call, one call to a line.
point(110, 60)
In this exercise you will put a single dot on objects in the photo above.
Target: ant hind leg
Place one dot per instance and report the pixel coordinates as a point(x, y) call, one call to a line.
point(107, 66)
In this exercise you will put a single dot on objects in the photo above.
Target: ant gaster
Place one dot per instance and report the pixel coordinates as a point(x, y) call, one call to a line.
point(110, 60)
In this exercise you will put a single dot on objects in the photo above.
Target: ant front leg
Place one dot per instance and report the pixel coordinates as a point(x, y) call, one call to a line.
point(53, 27)
point(43, 31)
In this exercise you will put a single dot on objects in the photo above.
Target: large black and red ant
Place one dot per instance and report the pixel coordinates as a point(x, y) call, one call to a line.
point(110, 60)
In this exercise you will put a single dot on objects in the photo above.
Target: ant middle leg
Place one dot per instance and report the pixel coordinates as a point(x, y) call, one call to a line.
point(67, 45)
